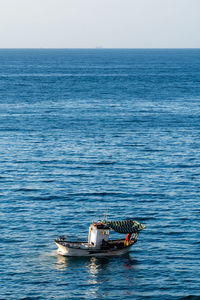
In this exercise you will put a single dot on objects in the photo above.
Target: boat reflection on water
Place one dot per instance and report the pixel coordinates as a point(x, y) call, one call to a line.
point(95, 265)
point(101, 272)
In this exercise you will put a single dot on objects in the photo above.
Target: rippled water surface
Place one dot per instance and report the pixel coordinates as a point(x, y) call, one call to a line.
point(88, 131)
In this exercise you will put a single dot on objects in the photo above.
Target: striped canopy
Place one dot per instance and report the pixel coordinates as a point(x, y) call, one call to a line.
point(129, 226)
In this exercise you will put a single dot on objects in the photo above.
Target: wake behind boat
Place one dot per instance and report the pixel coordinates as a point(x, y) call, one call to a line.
point(98, 243)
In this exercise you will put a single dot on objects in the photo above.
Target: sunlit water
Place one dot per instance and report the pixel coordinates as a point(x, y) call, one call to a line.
point(88, 131)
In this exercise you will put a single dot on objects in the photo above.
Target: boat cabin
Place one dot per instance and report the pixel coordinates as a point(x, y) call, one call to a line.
point(98, 234)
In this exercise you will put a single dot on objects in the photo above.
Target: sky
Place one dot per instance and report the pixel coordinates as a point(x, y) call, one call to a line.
point(100, 23)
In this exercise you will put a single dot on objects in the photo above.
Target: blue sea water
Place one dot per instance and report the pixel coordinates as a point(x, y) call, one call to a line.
point(88, 131)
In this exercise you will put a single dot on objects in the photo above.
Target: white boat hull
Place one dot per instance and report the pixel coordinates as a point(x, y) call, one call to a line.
point(69, 251)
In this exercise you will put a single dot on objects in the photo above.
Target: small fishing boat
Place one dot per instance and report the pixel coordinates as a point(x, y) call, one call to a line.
point(98, 243)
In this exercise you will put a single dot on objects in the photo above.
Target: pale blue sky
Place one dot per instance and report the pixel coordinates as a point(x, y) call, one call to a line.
point(106, 23)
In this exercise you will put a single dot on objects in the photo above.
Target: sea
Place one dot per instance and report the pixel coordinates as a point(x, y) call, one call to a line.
point(88, 134)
